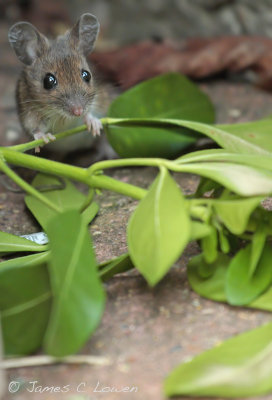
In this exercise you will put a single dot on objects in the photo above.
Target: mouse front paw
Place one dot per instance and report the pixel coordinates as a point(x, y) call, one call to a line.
point(46, 137)
point(93, 124)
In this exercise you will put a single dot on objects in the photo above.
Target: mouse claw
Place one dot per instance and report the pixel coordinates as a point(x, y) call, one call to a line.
point(93, 124)
point(46, 137)
point(51, 137)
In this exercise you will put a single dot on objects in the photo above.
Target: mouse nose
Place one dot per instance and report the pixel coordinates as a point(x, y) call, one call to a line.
point(76, 110)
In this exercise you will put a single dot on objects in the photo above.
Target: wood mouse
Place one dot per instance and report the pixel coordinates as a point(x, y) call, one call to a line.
point(57, 89)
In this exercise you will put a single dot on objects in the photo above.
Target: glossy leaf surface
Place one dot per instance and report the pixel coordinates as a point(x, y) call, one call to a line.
point(25, 302)
point(118, 265)
point(77, 290)
point(66, 197)
point(166, 96)
point(239, 367)
point(236, 213)
point(159, 229)
point(11, 243)
point(241, 287)
point(211, 284)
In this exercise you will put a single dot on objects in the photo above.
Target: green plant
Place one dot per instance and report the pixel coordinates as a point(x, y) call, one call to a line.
point(233, 229)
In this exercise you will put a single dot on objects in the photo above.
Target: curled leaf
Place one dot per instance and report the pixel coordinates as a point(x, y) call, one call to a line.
point(241, 287)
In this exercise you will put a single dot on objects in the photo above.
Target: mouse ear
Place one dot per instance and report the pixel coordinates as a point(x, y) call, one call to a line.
point(85, 32)
point(27, 42)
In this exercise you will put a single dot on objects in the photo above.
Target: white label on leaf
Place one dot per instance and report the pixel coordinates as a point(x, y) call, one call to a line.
point(39, 237)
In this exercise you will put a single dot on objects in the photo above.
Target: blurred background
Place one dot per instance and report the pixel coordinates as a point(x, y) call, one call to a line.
point(199, 38)
point(129, 21)
point(207, 40)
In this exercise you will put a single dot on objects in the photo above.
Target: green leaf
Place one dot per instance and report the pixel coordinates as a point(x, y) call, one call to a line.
point(263, 302)
point(118, 265)
point(252, 160)
point(25, 302)
point(78, 296)
point(235, 213)
point(209, 246)
point(251, 137)
point(257, 246)
point(229, 141)
point(206, 185)
point(252, 170)
point(65, 198)
point(208, 280)
point(90, 212)
point(159, 229)
point(224, 243)
point(239, 367)
point(230, 138)
point(258, 133)
point(11, 243)
point(241, 288)
point(226, 136)
point(241, 179)
point(211, 284)
point(263, 162)
point(199, 230)
point(167, 96)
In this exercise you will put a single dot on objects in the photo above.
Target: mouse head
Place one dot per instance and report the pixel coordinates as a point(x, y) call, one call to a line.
point(57, 73)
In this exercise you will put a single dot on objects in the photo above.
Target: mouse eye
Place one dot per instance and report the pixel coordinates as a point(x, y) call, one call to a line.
point(50, 81)
point(86, 76)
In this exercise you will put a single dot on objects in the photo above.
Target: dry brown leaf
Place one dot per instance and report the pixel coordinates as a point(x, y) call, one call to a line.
point(197, 58)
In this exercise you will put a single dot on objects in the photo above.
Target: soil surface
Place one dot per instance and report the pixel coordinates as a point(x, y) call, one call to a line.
point(144, 332)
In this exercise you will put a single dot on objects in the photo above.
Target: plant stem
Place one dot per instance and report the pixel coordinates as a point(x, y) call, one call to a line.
point(25, 186)
point(34, 143)
point(35, 361)
point(200, 212)
point(88, 200)
point(131, 162)
point(71, 172)
point(44, 165)
point(105, 182)
point(105, 122)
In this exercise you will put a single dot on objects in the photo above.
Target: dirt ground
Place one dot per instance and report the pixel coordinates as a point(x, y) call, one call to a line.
point(144, 332)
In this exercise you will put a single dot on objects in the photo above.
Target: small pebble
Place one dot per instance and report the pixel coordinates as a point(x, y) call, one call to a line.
point(123, 368)
point(245, 316)
point(12, 135)
point(107, 205)
point(96, 233)
point(235, 113)
point(99, 344)
point(208, 311)
point(196, 303)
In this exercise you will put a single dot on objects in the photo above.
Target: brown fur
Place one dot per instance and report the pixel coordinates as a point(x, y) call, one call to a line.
point(40, 109)
point(36, 104)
